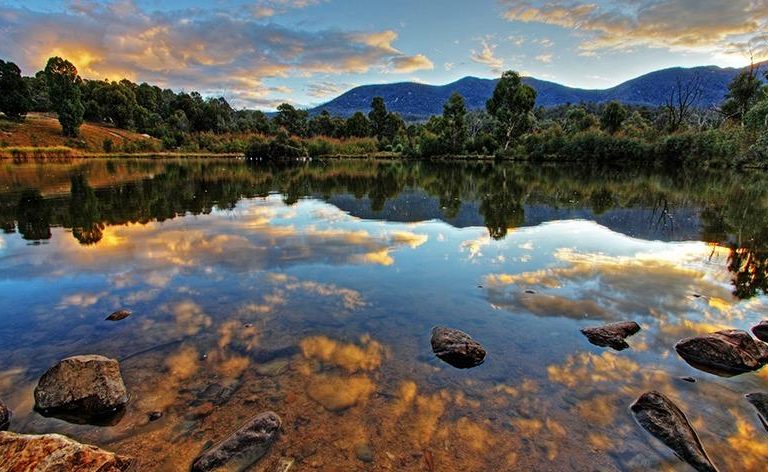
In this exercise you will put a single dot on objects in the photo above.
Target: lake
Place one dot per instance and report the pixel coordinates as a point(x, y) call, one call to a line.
point(310, 289)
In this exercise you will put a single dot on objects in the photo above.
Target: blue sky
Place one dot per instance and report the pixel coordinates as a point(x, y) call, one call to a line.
point(260, 53)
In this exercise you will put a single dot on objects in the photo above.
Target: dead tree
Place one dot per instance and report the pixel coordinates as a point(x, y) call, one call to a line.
point(682, 100)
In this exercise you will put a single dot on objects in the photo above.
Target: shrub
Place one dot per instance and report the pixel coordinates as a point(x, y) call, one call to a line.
point(281, 147)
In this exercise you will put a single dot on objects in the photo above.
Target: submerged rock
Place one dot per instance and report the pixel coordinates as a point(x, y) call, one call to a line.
point(658, 415)
point(725, 353)
point(119, 315)
point(54, 452)
point(5, 417)
point(760, 402)
point(88, 385)
point(761, 331)
point(612, 335)
point(243, 447)
point(457, 348)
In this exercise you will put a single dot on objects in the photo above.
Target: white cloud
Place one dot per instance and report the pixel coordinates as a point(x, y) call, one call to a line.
point(487, 56)
point(712, 26)
point(203, 50)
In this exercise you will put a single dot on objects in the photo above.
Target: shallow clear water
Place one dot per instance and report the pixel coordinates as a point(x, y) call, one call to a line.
point(311, 290)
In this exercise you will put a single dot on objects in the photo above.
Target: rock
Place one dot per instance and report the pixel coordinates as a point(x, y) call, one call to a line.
point(243, 447)
point(5, 417)
point(199, 412)
point(761, 331)
point(457, 348)
point(364, 453)
point(84, 385)
point(612, 335)
point(119, 315)
point(664, 420)
point(54, 452)
point(760, 402)
point(725, 353)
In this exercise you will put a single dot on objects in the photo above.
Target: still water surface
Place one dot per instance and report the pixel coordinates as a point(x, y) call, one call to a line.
point(310, 290)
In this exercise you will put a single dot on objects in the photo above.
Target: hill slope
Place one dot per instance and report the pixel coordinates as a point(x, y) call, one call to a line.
point(43, 130)
point(414, 100)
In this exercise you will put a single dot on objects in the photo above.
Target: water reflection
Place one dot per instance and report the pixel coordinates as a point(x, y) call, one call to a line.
point(708, 207)
point(311, 291)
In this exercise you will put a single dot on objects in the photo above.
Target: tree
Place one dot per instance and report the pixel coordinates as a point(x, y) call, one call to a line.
point(392, 126)
point(743, 92)
point(478, 122)
point(323, 125)
point(613, 116)
point(378, 116)
point(14, 94)
point(681, 100)
point(636, 126)
point(38, 92)
point(578, 119)
point(294, 121)
point(358, 126)
point(454, 133)
point(512, 105)
point(64, 92)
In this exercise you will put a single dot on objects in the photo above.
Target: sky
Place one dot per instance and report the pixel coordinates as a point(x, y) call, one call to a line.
point(260, 53)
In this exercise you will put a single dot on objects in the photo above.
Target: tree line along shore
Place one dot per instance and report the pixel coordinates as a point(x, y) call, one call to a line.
point(110, 118)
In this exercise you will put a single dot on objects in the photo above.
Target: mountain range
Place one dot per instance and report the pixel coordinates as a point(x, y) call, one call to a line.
point(414, 100)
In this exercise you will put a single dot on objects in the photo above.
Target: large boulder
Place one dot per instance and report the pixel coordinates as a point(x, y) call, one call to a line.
point(659, 416)
point(612, 335)
point(457, 348)
point(760, 331)
point(725, 353)
point(89, 385)
point(242, 448)
point(5, 417)
point(54, 453)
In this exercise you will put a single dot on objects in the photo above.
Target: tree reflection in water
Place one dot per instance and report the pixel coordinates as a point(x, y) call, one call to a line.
point(729, 208)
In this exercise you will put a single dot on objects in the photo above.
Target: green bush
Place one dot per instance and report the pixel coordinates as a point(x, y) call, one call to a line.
point(281, 147)
point(718, 147)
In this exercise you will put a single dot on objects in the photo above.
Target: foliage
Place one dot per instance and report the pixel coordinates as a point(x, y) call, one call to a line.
point(613, 117)
point(14, 93)
point(743, 93)
point(280, 147)
point(512, 106)
point(454, 132)
point(578, 119)
point(292, 120)
point(510, 127)
point(64, 88)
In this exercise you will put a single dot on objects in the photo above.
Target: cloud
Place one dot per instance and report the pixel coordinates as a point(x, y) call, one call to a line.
point(270, 8)
point(487, 56)
point(206, 50)
point(710, 26)
point(545, 58)
point(405, 64)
